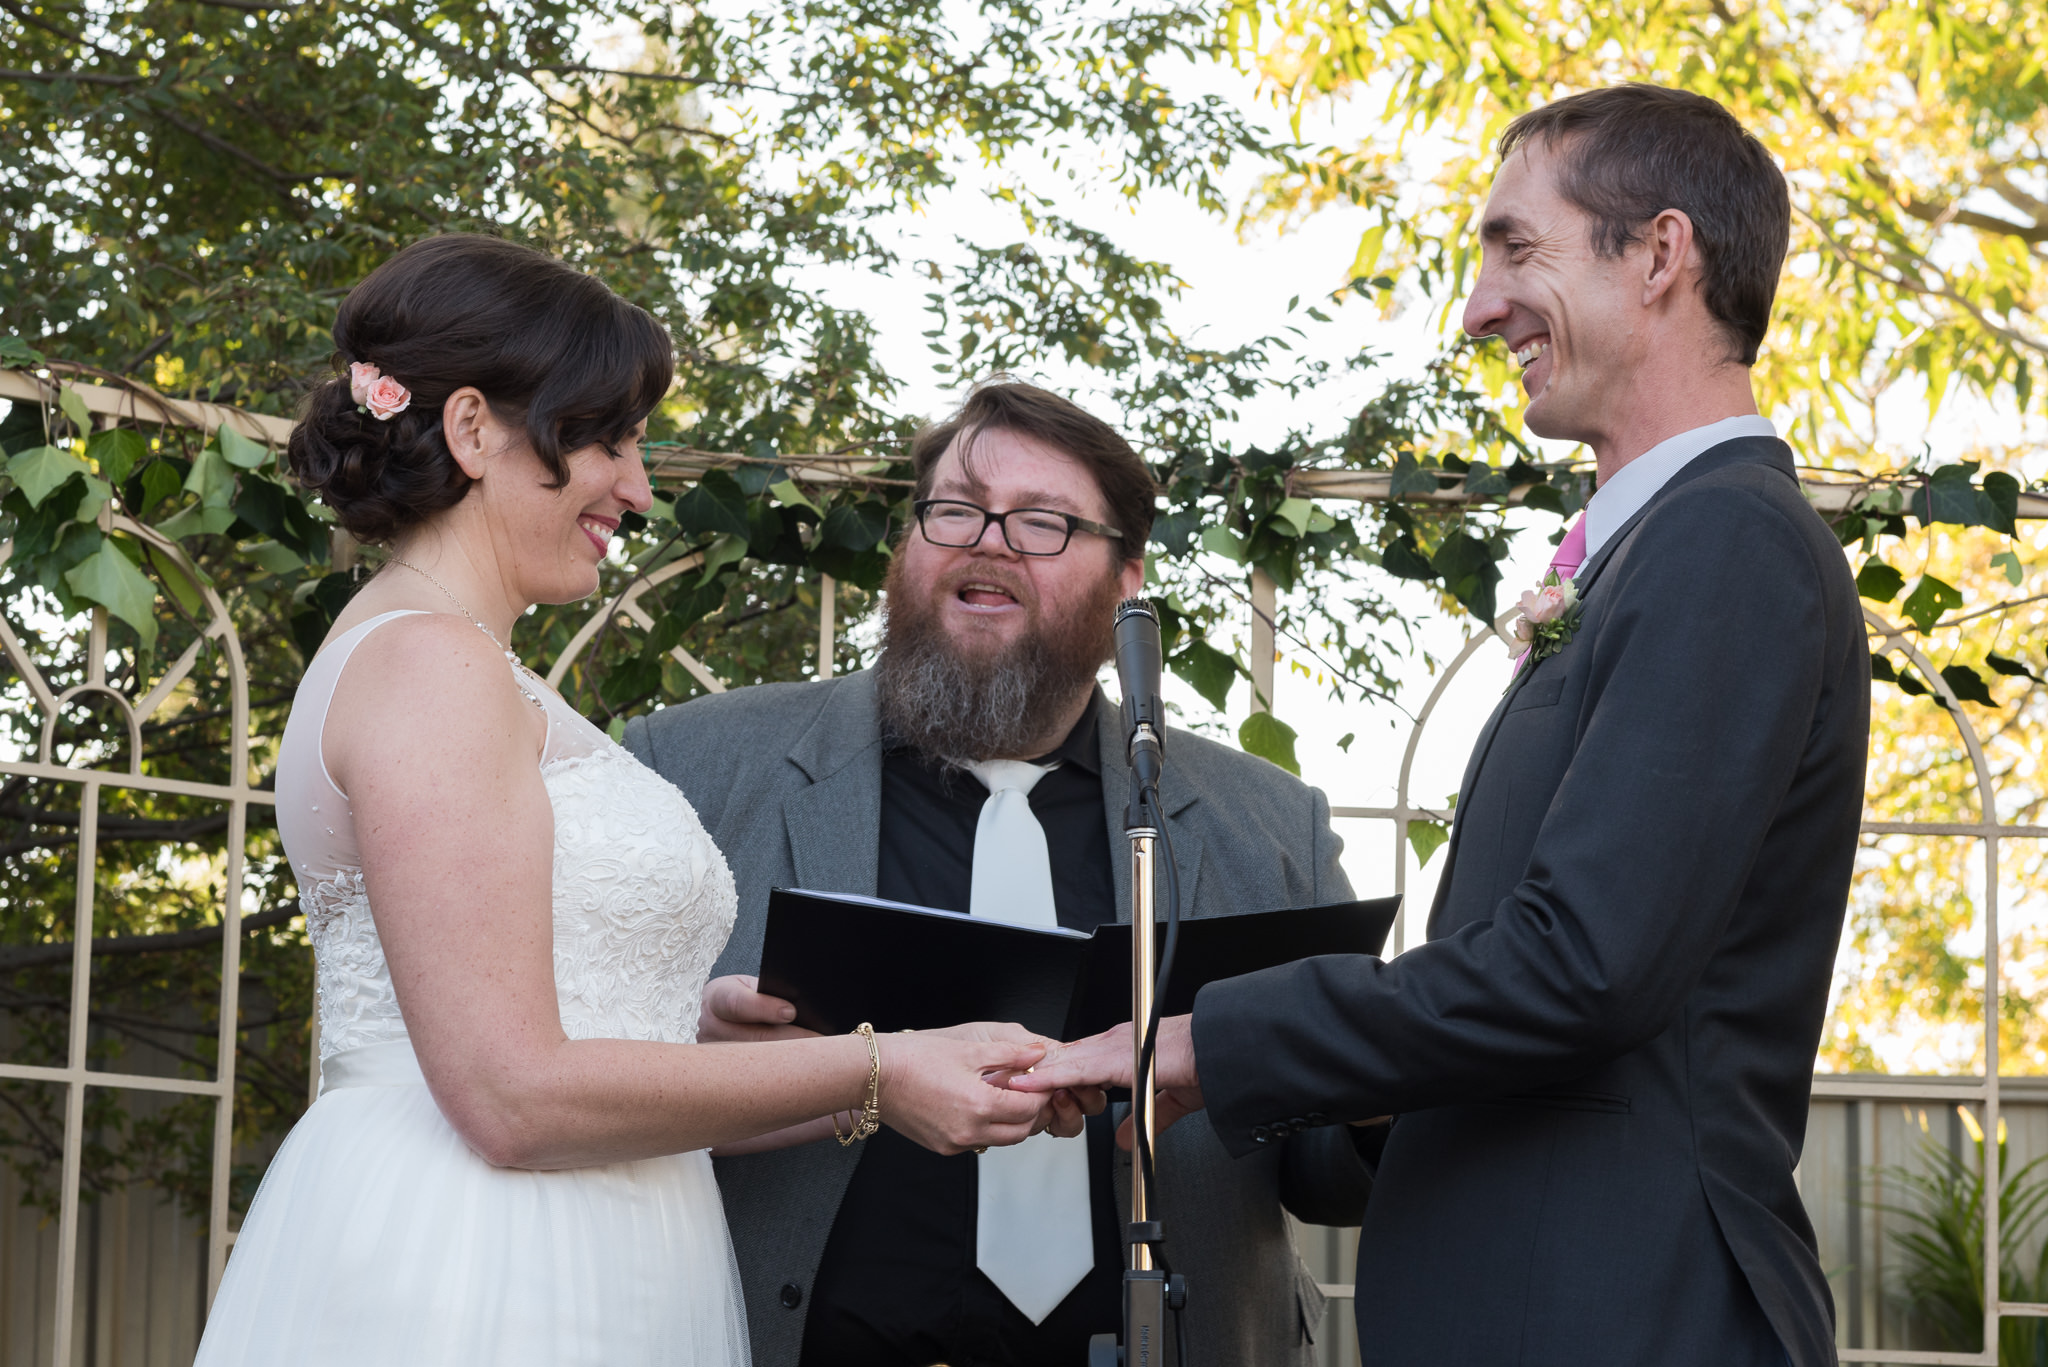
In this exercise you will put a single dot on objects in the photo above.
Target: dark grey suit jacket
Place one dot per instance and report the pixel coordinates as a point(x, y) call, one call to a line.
point(1601, 1059)
point(788, 780)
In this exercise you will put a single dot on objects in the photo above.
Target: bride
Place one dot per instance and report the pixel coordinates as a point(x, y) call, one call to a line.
point(512, 918)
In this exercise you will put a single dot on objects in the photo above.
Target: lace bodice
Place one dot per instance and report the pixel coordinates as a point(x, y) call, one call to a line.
point(643, 901)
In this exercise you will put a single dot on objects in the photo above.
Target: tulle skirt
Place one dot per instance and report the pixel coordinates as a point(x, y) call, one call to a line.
point(379, 1239)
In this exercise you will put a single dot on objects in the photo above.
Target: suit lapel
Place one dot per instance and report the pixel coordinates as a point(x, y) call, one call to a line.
point(835, 825)
point(1176, 796)
point(1768, 451)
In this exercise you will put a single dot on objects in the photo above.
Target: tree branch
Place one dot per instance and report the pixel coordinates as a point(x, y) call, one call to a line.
point(54, 77)
point(13, 957)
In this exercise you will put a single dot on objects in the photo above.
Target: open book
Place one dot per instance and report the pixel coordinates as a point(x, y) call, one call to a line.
point(843, 959)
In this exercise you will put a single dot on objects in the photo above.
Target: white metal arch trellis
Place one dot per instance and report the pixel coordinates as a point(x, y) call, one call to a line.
point(237, 795)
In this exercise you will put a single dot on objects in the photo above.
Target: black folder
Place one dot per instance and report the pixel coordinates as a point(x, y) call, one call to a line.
point(843, 959)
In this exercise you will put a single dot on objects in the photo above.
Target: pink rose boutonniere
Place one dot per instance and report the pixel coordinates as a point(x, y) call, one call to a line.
point(1550, 614)
point(385, 397)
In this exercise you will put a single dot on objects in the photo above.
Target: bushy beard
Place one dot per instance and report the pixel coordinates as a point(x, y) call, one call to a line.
point(956, 706)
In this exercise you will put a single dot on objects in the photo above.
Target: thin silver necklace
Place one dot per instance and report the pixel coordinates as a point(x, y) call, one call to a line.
point(518, 664)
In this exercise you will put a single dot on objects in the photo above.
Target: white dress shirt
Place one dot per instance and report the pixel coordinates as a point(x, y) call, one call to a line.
point(1637, 482)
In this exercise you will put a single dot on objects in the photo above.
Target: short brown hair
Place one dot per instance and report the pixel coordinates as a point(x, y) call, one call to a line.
point(1629, 152)
point(1001, 404)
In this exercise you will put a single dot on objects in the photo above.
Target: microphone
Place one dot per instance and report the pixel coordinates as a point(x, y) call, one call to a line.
point(1138, 657)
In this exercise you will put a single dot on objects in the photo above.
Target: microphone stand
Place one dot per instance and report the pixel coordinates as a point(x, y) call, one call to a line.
point(1150, 1292)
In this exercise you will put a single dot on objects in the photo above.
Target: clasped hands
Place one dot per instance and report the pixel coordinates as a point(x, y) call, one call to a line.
point(981, 1084)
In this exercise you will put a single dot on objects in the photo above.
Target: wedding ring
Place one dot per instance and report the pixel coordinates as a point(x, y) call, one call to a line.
point(981, 1148)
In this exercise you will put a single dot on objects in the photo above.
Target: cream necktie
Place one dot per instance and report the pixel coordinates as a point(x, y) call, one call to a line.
point(1032, 1221)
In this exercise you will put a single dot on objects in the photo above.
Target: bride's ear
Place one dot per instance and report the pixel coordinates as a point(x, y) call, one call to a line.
point(466, 425)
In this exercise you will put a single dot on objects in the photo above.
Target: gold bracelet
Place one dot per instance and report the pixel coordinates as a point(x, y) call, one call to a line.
point(871, 1110)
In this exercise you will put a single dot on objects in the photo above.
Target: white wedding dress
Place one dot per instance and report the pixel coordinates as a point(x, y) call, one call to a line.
point(378, 1239)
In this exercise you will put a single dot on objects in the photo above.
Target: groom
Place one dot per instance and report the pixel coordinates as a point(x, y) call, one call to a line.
point(1599, 1063)
point(979, 768)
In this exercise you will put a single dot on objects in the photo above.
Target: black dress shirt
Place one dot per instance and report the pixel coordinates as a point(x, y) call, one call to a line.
point(898, 1286)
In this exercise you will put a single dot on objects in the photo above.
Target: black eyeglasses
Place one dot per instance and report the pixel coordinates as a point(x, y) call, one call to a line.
point(1035, 531)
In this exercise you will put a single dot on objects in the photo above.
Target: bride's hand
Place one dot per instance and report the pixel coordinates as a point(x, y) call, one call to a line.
point(1070, 1106)
point(950, 1093)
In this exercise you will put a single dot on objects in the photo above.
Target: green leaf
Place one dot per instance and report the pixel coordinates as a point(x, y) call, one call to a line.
point(110, 579)
point(2009, 561)
point(788, 493)
point(714, 504)
point(117, 451)
point(1999, 503)
point(855, 526)
point(1207, 670)
point(1483, 481)
point(727, 550)
point(1294, 513)
point(1879, 582)
point(177, 581)
point(1426, 838)
point(1266, 736)
point(197, 520)
point(41, 469)
point(16, 354)
point(1344, 743)
point(97, 492)
point(239, 450)
point(73, 404)
point(1411, 478)
point(159, 481)
point(1470, 573)
point(1881, 667)
point(212, 478)
point(1968, 685)
point(1929, 599)
point(1224, 542)
point(2006, 665)
point(274, 558)
point(1403, 559)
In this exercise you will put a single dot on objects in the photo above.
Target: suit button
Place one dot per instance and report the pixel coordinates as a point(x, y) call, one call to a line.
point(792, 1295)
point(1318, 1118)
point(1261, 1134)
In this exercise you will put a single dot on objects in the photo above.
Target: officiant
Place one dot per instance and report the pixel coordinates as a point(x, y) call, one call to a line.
point(978, 768)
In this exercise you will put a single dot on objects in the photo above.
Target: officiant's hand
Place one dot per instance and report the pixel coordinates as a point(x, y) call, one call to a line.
point(736, 1011)
point(1068, 1108)
point(1105, 1060)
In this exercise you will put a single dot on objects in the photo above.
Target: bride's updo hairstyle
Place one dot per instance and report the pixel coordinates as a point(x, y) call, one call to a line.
point(552, 349)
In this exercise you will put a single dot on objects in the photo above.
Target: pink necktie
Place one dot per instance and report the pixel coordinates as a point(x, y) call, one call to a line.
point(1569, 560)
point(1571, 552)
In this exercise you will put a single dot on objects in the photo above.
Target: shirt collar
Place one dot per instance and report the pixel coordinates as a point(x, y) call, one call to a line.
point(1081, 748)
point(1623, 495)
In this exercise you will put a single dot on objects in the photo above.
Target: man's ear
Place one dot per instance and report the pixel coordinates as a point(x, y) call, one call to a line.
point(465, 424)
point(1673, 258)
point(1131, 577)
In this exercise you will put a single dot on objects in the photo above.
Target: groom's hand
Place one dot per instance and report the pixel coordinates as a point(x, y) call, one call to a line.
point(736, 1011)
point(1105, 1060)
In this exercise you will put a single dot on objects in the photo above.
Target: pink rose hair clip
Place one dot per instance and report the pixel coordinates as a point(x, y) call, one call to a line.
point(383, 396)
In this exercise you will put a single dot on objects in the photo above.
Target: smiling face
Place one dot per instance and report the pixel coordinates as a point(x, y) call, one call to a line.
point(551, 541)
point(1571, 317)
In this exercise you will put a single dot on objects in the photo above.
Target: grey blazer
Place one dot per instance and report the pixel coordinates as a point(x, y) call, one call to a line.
point(1601, 1060)
point(788, 780)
